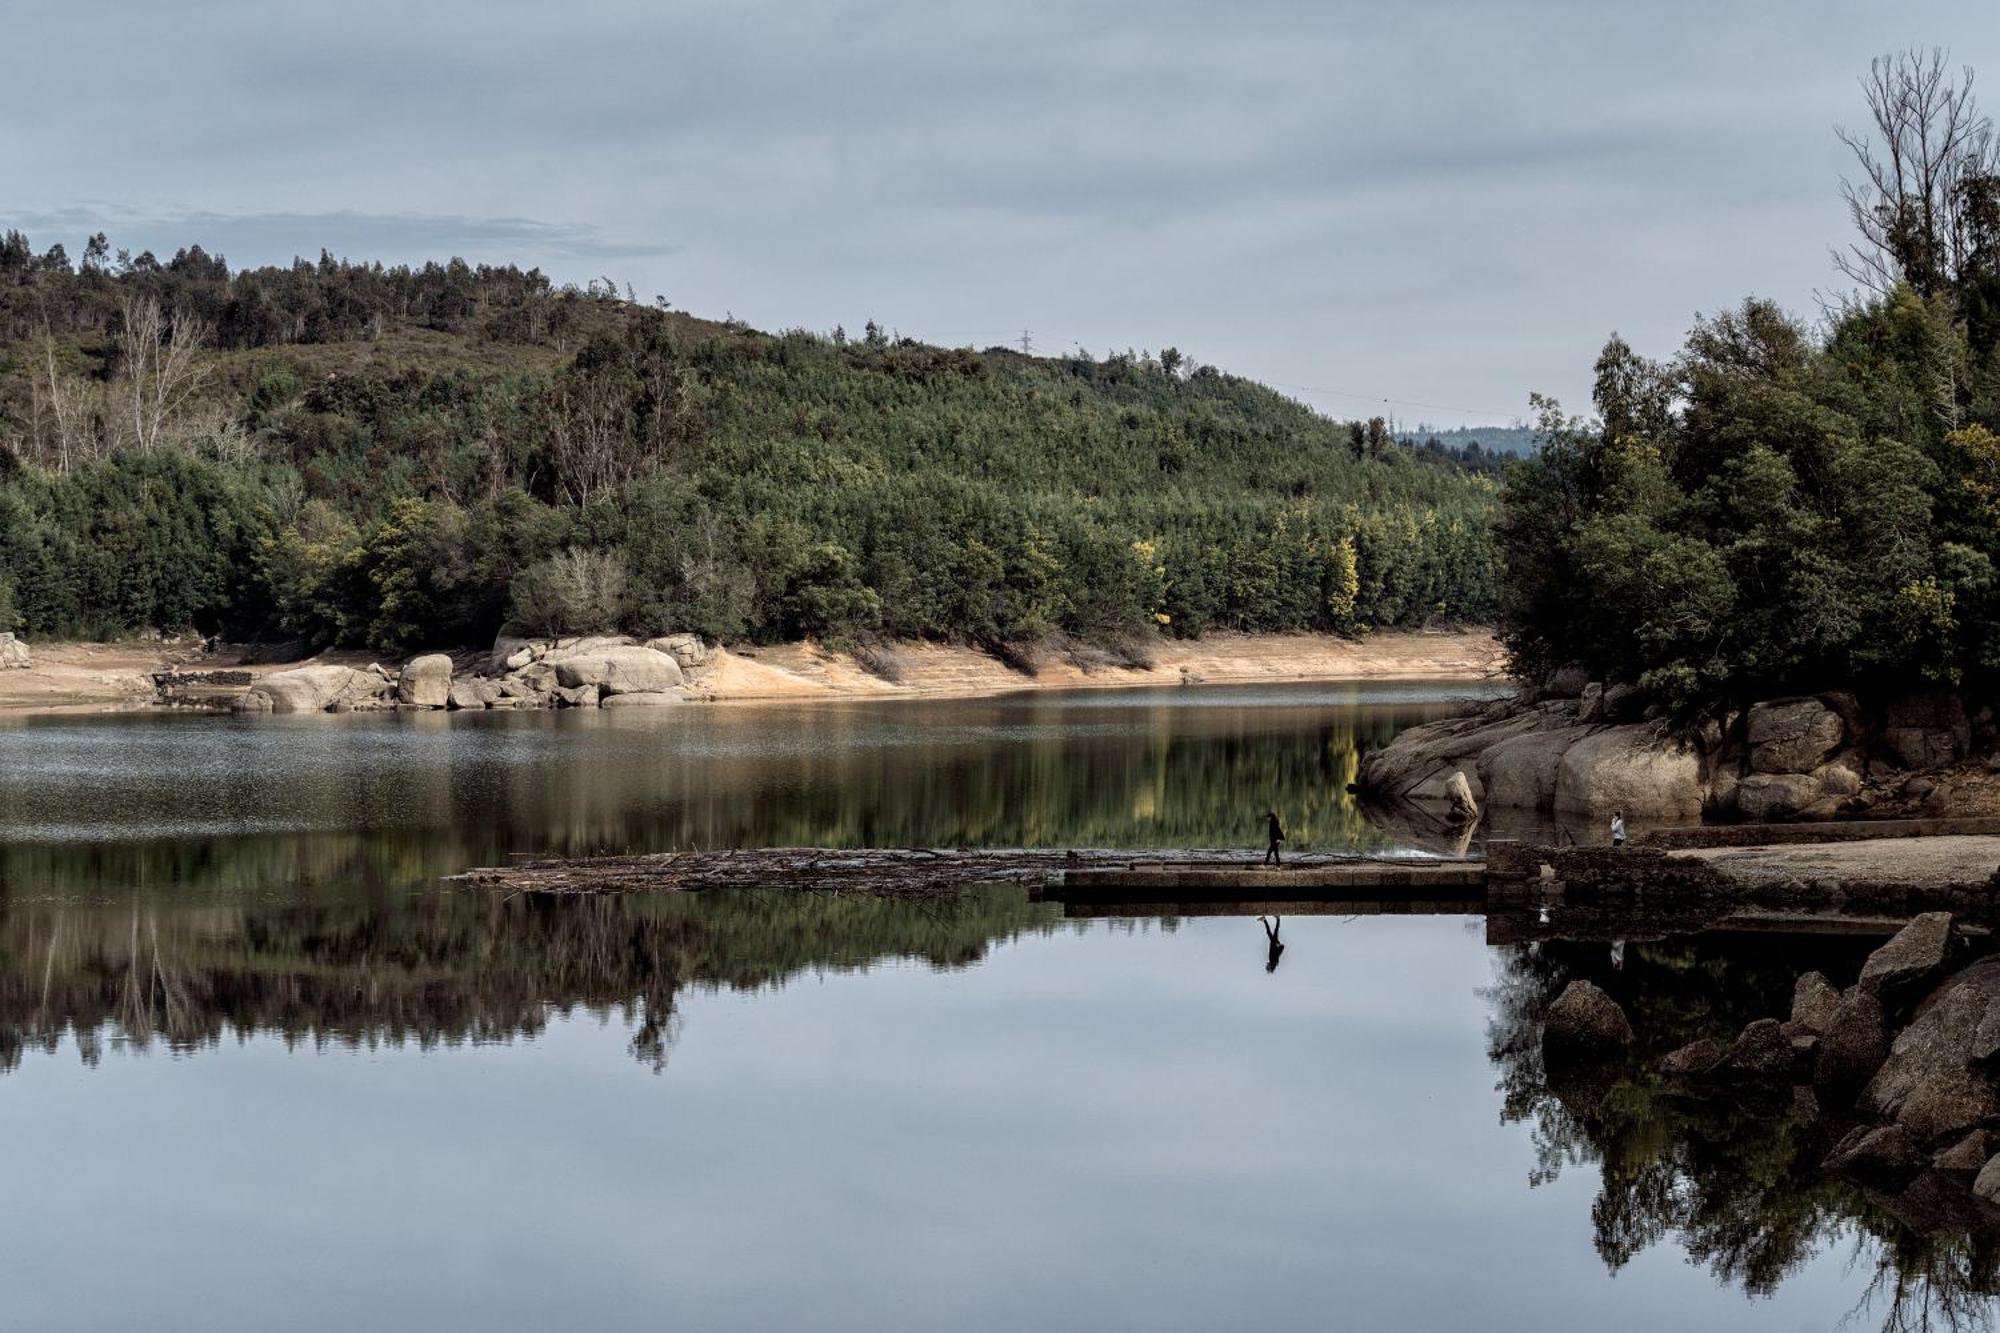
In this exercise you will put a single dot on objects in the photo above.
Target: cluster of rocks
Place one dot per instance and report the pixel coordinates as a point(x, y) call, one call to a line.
point(599, 672)
point(1900, 1067)
point(1581, 747)
point(1570, 749)
point(13, 653)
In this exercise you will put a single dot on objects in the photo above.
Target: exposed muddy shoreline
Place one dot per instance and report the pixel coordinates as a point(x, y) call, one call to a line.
point(93, 678)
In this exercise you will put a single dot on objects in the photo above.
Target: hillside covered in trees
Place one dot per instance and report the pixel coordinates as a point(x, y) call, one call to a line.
point(1781, 507)
point(342, 453)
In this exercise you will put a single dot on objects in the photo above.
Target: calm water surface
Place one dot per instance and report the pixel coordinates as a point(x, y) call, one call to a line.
point(258, 1071)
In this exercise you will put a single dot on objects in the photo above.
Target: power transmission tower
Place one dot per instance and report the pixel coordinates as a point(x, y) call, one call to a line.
point(1027, 343)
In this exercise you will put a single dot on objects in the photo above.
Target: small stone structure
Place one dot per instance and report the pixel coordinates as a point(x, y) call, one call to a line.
point(14, 653)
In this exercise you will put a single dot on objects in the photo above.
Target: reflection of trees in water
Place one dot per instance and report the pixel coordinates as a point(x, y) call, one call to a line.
point(1733, 1178)
point(442, 968)
point(1187, 779)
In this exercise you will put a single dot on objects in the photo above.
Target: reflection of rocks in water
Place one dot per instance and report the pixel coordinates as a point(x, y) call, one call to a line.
point(446, 967)
point(1726, 1163)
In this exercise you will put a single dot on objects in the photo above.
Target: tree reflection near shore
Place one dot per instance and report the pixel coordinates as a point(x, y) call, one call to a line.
point(447, 967)
point(1732, 1177)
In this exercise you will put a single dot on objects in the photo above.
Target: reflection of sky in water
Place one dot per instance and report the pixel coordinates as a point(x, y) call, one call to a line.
point(1088, 1130)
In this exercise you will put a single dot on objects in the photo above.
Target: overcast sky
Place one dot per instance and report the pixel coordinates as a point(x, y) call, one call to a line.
point(1447, 203)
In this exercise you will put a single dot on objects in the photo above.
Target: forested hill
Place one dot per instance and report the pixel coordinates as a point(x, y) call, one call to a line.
point(347, 453)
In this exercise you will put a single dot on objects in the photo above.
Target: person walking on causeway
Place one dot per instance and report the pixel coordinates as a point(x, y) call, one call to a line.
point(1277, 831)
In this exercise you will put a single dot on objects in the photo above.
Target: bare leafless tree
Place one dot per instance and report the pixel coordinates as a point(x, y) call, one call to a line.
point(162, 369)
point(1927, 164)
point(589, 435)
point(65, 433)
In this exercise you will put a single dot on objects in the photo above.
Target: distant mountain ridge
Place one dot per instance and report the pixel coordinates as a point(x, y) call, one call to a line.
point(1516, 440)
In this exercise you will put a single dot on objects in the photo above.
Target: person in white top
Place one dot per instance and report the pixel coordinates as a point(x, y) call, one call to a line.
point(1617, 828)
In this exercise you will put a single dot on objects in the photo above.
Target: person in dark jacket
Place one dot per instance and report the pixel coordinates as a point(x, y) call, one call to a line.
point(1277, 832)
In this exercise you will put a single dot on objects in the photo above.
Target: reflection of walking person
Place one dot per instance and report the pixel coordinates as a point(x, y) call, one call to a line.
point(1275, 946)
point(1617, 828)
point(1277, 836)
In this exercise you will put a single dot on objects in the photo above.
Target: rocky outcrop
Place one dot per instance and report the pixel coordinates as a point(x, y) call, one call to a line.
point(1630, 768)
point(1815, 1004)
point(1587, 748)
point(1792, 736)
point(1987, 1184)
point(1875, 1152)
point(1916, 955)
point(425, 682)
point(1458, 791)
point(1968, 1155)
point(1584, 1022)
point(686, 649)
point(14, 653)
point(618, 669)
point(1927, 729)
point(518, 673)
point(1520, 771)
point(1568, 683)
point(316, 689)
point(1934, 1082)
point(1539, 756)
point(1924, 1122)
point(1761, 1050)
point(1694, 1060)
point(511, 654)
point(473, 693)
point(1852, 1047)
point(1420, 760)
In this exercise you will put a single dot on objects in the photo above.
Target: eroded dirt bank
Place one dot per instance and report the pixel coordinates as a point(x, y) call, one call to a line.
point(96, 677)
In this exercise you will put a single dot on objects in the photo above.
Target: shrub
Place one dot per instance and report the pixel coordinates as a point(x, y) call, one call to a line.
point(573, 592)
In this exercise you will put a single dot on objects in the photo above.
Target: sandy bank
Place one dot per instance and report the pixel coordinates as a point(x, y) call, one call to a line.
point(86, 677)
point(794, 671)
point(97, 677)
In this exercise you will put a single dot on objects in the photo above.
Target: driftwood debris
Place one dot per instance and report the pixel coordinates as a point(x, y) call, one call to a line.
point(875, 870)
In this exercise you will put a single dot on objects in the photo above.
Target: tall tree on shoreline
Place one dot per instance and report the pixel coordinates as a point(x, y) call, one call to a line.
point(1927, 200)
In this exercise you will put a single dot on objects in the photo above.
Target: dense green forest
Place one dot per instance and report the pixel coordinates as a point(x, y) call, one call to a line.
point(342, 453)
point(1787, 507)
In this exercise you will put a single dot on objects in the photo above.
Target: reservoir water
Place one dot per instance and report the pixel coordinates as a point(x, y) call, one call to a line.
point(260, 1068)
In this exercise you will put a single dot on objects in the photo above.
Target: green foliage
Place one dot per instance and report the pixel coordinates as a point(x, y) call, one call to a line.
point(1770, 511)
point(384, 488)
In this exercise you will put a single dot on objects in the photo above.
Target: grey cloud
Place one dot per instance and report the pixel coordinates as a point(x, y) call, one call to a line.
point(1444, 201)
